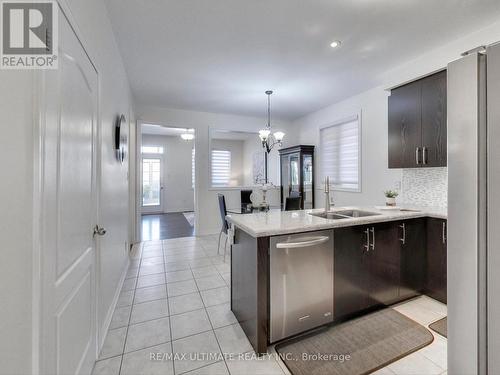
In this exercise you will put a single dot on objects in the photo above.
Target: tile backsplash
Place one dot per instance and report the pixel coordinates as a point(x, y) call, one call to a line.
point(425, 187)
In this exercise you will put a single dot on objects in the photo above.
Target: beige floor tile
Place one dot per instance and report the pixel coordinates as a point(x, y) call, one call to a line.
point(185, 303)
point(221, 315)
point(113, 343)
point(214, 297)
point(150, 280)
point(415, 364)
point(110, 366)
point(150, 293)
point(149, 361)
point(210, 282)
point(233, 340)
point(146, 334)
point(181, 287)
point(175, 276)
point(218, 368)
point(189, 323)
point(193, 345)
point(149, 310)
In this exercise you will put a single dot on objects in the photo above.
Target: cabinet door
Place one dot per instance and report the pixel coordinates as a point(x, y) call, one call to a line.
point(350, 271)
point(384, 264)
point(413, 244)
point(434, 120)
point(405, 136)
point(436, 259)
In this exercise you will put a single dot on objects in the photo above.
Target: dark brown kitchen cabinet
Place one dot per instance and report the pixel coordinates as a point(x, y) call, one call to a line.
point(413, 247)
point(436, 271)
point(366, 267)
point(417, 123)
point(383, 260)
point(350, 270)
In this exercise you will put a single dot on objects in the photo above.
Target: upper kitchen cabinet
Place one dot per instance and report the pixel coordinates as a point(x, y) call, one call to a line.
point(417, 123)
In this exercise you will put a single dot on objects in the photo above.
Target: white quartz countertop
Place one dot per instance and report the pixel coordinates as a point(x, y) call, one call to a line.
point(277, 222)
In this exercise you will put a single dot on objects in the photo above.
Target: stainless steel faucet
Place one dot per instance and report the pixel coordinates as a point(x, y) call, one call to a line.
point(327, 194)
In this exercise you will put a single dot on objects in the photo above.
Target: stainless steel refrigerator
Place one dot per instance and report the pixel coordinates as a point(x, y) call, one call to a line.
point(474, 213)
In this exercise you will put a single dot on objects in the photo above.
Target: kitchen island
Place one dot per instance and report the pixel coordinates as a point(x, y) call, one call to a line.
point(292, 271)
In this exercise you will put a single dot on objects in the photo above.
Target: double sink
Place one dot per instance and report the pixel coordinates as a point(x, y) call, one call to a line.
point(344, 214)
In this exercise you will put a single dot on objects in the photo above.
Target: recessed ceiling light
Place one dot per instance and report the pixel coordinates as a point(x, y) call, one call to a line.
point(335, 44)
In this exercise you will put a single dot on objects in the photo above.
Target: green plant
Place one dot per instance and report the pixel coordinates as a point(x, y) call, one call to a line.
point(391, 193)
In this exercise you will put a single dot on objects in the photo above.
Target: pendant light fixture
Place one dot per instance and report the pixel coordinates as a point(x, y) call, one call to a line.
point(188, 135)
point(267, 137)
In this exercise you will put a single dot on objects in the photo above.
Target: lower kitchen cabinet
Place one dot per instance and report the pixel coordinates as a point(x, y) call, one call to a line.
point(413, 248)
point(350, 270)
point(378, 264)
point(383, 260)
point(366, 267)
point(436, 275)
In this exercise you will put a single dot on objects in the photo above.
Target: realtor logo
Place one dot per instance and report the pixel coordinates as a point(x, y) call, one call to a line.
point(29, 34)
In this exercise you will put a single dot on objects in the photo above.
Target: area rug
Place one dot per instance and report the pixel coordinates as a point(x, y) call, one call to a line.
point(355, 347)
point(440, 326)
point(189, 217)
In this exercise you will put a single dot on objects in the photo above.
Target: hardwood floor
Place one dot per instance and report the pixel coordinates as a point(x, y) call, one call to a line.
point(165, 226)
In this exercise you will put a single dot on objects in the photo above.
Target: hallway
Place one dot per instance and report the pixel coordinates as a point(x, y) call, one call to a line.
point(165, 226)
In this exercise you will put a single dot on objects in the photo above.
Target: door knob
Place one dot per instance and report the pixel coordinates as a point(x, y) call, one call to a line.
point(99, 231)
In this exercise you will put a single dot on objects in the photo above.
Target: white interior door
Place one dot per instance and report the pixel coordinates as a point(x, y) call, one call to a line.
point(152, 184)
point(69, 210)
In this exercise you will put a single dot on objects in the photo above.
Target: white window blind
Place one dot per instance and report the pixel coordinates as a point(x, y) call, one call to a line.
point(221, 168)
point(339, 149)
point(192, 168)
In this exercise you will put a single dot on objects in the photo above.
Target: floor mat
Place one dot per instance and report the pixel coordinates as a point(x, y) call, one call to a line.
point(440, 326)
point(355, 347)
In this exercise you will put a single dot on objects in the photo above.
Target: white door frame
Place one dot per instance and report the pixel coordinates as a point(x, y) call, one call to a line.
point(38, 170)
point(138, 179)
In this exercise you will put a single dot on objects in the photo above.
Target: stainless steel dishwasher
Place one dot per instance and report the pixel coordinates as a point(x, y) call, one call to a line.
point(301, 282)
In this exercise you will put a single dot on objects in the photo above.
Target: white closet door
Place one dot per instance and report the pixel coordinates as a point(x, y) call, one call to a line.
point(69, 210)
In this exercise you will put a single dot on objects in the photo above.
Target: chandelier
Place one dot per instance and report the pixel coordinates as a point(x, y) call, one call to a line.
point(270, 140)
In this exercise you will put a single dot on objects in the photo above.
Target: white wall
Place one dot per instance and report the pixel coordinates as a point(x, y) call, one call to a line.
point(207, 214)
point(16, 207)
point(376, 177)
point(18, 95)
point(178, 194)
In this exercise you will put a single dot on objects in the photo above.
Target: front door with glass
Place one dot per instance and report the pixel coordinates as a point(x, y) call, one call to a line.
point(152, 185)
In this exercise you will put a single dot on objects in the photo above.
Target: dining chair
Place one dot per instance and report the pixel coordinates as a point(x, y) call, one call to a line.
point(292, 203)
point(225, 224)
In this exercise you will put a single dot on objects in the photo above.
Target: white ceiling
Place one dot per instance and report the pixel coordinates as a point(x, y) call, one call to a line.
point(221, 55)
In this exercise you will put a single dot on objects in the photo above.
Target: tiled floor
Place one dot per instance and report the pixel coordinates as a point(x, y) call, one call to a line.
point(173, 317)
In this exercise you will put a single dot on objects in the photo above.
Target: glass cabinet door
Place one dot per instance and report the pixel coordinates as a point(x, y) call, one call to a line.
point(307, 185)
point(294, 174)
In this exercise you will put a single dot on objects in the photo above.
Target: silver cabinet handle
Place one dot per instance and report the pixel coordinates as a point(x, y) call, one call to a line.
point(303, 242)
point(417, 155)
point(367, 246)
point(99, 231)
point(444, 232)
point(424, 155)
point(373, 237)
point(403, 239)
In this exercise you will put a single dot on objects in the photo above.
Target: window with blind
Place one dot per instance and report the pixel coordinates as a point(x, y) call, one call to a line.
point(192, 168)
point(221, 168)
point(340, 154)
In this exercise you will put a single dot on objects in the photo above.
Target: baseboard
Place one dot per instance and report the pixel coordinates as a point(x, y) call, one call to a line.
point(111, 310)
